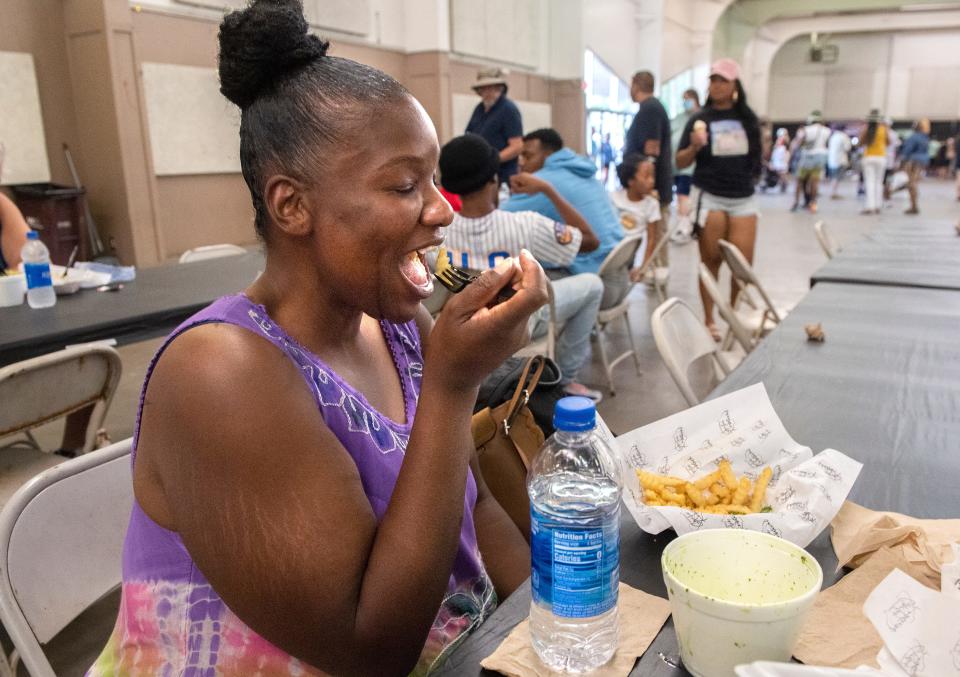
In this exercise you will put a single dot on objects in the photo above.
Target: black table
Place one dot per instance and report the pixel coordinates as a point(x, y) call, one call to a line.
point(884, 389)
point(920, 254)
point(150, 306)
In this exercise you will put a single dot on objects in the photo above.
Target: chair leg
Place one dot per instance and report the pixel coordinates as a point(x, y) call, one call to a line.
point(33, 440)
point(8, 664)
point(633, 343)
point(661, 289)
point(604, 359)
point(727, 343)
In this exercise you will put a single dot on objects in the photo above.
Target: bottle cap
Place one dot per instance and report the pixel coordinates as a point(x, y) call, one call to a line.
point(575, 414)
point(33, 235)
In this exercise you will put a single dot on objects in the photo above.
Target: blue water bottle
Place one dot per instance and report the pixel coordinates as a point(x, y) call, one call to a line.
point(574, 486)
point(36, 268)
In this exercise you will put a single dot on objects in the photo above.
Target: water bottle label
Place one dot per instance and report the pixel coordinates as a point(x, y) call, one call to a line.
point(576, 571)
point(38, 275)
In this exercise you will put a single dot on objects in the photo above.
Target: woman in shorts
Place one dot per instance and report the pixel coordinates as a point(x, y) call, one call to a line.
point(724, 141)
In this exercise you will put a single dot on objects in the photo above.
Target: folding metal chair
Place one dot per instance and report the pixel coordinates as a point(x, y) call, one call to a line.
point(661, 287)
point(766, 316)
point(735, 327)
point(211, 251)
point(617, 265)
point(682, 339)
point(45, 388)
point(823, 237)
point(61, 540)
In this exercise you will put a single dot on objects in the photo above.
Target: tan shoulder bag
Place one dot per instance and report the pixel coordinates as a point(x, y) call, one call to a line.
point(507, 438)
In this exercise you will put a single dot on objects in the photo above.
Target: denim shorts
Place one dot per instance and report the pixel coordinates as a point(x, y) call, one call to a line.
point(734, 206)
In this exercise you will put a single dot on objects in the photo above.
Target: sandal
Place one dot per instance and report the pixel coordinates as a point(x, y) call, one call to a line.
point(714, 332)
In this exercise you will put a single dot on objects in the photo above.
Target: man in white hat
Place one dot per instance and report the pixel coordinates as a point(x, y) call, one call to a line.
point(497, 119)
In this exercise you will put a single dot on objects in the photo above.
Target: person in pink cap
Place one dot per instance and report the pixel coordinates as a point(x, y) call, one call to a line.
point(723, 138)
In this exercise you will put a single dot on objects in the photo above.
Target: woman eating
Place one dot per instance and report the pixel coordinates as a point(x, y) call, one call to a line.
point(723, 138)
point(302, 460)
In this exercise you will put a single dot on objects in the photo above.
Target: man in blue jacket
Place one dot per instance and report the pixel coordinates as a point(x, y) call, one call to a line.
point(574, 177)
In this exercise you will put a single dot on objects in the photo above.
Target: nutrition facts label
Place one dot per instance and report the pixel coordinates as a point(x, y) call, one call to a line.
point(575, 570)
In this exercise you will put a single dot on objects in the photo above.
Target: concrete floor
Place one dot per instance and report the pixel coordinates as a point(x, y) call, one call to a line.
point(787, 253)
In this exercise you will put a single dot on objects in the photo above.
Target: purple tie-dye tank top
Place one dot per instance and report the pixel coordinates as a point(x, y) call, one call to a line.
point(172, 622)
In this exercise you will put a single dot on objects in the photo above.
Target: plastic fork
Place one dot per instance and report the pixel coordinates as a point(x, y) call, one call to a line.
point(456, 279)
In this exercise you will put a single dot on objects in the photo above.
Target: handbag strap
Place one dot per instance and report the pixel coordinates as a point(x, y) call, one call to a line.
point(524, 387)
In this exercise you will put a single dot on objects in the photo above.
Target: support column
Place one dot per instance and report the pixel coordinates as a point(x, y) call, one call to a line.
point(111, 127)
point(428, 79)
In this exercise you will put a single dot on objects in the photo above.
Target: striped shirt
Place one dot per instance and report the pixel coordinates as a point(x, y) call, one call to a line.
point(482, 242)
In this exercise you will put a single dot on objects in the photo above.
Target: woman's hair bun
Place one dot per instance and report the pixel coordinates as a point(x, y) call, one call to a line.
point(261, 44)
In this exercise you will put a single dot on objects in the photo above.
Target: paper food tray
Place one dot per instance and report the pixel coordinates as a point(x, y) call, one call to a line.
point(805, 492)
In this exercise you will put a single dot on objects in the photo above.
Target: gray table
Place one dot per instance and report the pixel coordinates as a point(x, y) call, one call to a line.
point(153, 304)
point(906, 254)
point(884, 388)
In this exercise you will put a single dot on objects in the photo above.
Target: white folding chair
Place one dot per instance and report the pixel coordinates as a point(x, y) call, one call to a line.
point(211, 251)
point(61, 540)
point(616, 266)
point(45, 388)
point(547, 344)
point(735, 327)
point(682, 339)
point(766, 316)
point(661, 287)
point(826, 242)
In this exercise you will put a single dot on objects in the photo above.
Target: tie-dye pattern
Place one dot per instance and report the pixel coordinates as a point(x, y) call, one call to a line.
point(172, 622)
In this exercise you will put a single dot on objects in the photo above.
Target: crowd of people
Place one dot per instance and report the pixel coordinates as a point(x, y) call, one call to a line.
point(714, 175)
point(721, 166)
point(882, 160)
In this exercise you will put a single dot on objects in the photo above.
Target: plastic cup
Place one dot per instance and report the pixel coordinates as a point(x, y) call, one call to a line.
point(12, 290)
point(737, 596)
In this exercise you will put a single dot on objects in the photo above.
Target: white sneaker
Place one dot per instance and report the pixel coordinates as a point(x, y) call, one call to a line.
point(661, 276)
point(684, 232)
point(648, 278)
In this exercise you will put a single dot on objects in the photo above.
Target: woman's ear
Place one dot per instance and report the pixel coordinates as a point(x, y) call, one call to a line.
point(287, 204)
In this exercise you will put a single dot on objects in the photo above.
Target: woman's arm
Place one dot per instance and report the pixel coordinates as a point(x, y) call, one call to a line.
point(690, 144)
point(505, 552)
point(13, 231)
point(271, 506)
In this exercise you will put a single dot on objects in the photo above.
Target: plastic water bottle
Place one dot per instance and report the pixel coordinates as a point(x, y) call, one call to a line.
point(574, 486)
point(36, 267)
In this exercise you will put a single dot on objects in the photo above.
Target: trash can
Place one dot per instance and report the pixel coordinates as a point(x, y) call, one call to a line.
point(57, 213)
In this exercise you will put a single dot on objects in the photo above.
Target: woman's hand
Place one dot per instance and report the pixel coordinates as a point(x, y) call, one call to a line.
point(471, 338)
point(699, 139)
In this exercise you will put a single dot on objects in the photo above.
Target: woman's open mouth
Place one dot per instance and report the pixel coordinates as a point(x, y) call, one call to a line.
point(414, 269)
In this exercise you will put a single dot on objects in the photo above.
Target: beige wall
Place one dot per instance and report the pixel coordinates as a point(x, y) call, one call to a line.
point(192, 210)
point(88, 56)
point(36, 26)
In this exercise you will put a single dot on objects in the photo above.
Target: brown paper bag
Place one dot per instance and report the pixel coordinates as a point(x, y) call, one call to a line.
point(858, 532)
point(641, 617)
point(836, 633)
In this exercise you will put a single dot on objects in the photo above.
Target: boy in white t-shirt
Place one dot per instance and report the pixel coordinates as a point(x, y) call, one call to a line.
point(639, 204)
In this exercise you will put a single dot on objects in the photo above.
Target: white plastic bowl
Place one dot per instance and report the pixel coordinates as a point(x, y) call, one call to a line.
point(737, 596)
point(71, 283)
point(12, 290)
